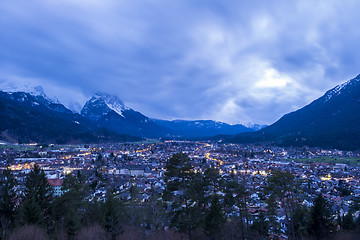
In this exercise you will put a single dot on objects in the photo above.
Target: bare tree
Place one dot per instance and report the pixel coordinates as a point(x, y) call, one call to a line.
point(132, 233)
point(95, 232)
point(28, 232)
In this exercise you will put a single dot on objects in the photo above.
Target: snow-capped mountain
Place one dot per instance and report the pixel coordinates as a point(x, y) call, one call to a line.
point(32, 94)
point(31, 117)
point(330, 121)
point(102, 104)
point(110, 112)
point(26, 88)
point(107, 112)
point(75, 104)
point(37, 97)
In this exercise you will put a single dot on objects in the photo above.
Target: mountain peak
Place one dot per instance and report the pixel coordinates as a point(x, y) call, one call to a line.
point(101, 104)
point(112, 102)
point(36, 91)
point(107, 96)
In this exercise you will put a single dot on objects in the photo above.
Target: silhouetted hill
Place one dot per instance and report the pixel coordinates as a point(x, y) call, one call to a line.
point(201, 128)
point(332, 121)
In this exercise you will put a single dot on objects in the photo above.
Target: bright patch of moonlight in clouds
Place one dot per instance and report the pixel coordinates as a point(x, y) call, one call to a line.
point(232, 61)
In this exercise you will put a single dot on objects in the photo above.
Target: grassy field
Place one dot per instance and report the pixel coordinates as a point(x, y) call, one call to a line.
point(19, 147)
point(326, 159)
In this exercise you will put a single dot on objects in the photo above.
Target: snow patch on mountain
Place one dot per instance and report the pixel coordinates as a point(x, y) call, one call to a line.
point(112, 102)
point(116, 107)
point(101, 104)
point(12, 87)
point(339, 88)
point(335, 91)
point(253, 126)
point(26, 88)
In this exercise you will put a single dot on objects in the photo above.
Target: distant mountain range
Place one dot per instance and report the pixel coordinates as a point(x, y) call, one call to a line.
point(201, 128)
point(331, 121)
point(110, 112)
point(33, 117)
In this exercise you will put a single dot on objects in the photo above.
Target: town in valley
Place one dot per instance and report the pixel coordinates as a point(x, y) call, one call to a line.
point(136, 173)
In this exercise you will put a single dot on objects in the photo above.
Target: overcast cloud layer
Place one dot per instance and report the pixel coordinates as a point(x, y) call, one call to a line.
point(232, 61)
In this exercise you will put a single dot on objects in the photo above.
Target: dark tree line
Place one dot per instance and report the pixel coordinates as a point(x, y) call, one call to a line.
point(194, 205)
point(208, 206)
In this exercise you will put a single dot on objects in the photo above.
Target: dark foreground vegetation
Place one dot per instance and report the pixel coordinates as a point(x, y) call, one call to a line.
point(194, 205)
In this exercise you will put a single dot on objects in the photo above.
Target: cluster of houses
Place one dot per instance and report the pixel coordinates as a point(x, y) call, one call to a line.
point(142, 165)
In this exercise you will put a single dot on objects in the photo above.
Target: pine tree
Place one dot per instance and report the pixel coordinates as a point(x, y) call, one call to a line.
point(114, 213)
point(355, 205)
point(196, 190)
point(321, 223)
point(72, 222)
point(348, 222)
point(236, 198)
point(214, 219)
point(179, 178)
point(212, 179)
point(31, 212)
point(272, 207)
point(36, 185)
point(301, 221)
point(94, 213)
point(73, 192)
point(230, 189)
point(281, 185)
point(178, 174)
point(69, 208)
point(7, 201)
point(38, 197)
point(260, 225)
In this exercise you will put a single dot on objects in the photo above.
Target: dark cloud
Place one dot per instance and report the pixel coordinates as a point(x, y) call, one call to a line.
point(235, 61)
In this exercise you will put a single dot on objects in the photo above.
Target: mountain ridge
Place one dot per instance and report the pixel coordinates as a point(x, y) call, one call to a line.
point(33, 118)
point(111, 112)
point(200, 128)
point(329, 121)
point(102, 112)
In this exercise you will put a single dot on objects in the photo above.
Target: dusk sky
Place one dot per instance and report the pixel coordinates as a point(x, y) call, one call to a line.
point(233, 61)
